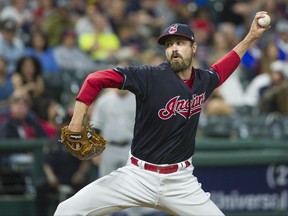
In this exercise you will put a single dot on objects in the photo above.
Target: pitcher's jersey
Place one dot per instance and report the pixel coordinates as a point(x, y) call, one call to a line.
point(167, 111)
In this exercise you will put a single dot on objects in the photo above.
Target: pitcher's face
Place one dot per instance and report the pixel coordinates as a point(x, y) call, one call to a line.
point(179, 53)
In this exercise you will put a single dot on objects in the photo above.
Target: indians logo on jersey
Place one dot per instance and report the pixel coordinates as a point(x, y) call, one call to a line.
point(173, 29)
point(182, 107)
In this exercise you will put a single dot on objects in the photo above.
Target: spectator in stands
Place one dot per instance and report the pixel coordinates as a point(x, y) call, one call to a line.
point(256, 88)
point(168, 10)
point(116, 12)
point(218, 47)
point(257, 61)
point(230, 31)
point(76, 8)
point(146, 21)
point(68, 51)
point(21, 122)
point(18, 12)
point(232, 90)
point(151, 57)
point(6, 85)
point(203, 29)
point(101, 45)
point(58, 21)
point(281, 39)
point(60, 168)
point(42, 12)
point(217, 118)
point(21, 14)
point(28, 77)
point(40, 49)
point(131, 44)
point(250, 62)
point(11, 47)
point(269, 55)
point(277, 75)
point(50, 113)
point(237, 13)
point(4, 3)
point(85, 24)
point(274, 97)
point(283, 9)
point(216, 105)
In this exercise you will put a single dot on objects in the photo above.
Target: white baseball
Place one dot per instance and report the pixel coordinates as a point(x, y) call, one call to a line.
point(264, 21)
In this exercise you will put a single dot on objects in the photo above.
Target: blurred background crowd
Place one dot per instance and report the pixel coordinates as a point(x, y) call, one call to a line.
point(48, 47)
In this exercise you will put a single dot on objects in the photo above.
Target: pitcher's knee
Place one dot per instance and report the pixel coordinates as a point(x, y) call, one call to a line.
point(64, 210)
point(59, 210)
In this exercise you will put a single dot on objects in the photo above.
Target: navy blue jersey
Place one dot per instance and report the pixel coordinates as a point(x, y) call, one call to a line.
point(167, 111)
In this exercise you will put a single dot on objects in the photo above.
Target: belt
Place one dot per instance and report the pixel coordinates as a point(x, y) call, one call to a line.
point(161, 169)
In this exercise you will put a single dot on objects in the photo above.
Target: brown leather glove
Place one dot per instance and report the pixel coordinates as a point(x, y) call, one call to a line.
point(83, 145)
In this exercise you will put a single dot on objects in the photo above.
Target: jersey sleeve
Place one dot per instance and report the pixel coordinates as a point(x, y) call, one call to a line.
point(136, 79)
point(226, 66)
point(95, 82)
point(212, 80)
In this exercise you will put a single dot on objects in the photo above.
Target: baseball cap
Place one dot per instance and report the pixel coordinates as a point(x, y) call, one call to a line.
point(176, 29)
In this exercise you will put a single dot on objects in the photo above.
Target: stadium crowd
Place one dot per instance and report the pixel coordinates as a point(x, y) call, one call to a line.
point(47, 47)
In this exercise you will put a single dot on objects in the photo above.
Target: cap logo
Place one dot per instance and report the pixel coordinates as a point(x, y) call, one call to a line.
point(173, 29)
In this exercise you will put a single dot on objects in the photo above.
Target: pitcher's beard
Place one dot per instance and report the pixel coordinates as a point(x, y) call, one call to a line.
point(178, 66)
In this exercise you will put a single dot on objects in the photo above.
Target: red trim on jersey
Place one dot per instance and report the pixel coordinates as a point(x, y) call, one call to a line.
point(109, 78)
point(190, 81)
point(226, 65)
point(95, 82)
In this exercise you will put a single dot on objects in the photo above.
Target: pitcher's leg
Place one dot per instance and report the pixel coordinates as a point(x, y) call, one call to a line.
point(119, 190)
point(184, 196)
point(86, 202)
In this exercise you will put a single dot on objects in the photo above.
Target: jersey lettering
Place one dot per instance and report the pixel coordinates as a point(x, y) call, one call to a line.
point(181, 106)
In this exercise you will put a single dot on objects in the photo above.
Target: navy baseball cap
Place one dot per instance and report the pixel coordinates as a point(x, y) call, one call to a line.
point(176, 29)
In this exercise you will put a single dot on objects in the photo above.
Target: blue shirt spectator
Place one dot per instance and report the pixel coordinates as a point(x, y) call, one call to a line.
point(40, 49)
point(11, 47)
point(6, 86)
point(6, 89)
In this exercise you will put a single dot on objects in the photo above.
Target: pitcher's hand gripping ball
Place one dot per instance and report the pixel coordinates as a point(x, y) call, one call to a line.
point(83, 145)
point(265, 21)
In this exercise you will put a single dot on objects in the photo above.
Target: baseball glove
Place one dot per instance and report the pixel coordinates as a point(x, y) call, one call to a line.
point(83, 145)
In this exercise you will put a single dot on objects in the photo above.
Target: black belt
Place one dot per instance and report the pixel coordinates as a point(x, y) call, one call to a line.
point(120, 144)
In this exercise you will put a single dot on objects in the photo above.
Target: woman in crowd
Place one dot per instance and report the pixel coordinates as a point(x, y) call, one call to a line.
point(28, 77)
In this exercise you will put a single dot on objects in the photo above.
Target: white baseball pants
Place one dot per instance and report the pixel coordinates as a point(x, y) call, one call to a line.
point(177, 193)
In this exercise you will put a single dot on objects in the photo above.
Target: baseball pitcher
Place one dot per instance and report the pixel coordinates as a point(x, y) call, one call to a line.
point(169, 99)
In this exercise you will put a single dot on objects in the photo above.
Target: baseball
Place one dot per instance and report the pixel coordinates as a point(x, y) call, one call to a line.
point(264, 21)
